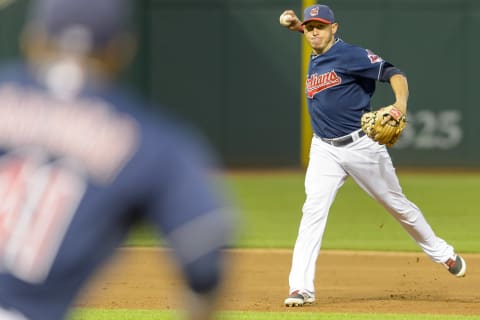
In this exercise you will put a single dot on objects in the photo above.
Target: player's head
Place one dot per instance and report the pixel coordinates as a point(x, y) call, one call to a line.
point(319, 27)
point(318, 12)
point(98, 29)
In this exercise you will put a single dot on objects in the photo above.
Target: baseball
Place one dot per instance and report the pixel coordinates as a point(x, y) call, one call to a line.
point(286, 19)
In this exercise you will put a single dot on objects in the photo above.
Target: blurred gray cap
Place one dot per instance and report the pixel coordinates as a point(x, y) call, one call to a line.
point(100, 20)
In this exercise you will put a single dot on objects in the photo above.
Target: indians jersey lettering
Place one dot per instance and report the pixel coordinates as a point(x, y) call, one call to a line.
point(319, 82)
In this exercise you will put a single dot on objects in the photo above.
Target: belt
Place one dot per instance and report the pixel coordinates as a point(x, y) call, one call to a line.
point(343, 141)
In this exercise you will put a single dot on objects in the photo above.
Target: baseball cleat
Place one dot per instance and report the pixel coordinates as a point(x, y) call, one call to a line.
point(456, 266)
point(297, 299)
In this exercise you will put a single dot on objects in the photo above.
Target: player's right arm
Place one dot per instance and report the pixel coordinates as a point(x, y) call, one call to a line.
point(289, 20)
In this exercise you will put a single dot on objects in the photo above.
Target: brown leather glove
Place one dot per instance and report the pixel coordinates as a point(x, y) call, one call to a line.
point(384, 125)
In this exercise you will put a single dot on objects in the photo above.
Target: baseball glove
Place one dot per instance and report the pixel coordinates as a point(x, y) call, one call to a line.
point(384, 125)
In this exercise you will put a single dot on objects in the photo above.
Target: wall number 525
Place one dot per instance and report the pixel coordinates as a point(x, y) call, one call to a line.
point(432, 130)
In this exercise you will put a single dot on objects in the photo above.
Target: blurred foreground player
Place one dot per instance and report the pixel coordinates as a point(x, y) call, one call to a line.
point(81, 162)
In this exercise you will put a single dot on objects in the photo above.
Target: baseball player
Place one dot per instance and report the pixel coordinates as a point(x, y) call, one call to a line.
point(81, 162)
point(339, 85)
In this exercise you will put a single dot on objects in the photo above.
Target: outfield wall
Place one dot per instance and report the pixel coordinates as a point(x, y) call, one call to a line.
point(230, 69)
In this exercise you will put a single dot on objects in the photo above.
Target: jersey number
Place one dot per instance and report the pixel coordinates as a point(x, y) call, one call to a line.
point(37, 202)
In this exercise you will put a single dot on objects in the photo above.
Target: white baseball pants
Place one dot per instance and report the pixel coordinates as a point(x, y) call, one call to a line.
point(370, 165)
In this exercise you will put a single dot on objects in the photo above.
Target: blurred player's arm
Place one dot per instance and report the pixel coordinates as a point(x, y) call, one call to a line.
point(197, 222)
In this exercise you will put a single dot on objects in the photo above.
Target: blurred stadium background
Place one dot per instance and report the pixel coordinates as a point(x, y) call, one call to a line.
point(231, 70)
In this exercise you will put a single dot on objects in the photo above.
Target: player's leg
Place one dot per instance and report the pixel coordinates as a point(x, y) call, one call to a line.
point(376, 175)
point(323, 179)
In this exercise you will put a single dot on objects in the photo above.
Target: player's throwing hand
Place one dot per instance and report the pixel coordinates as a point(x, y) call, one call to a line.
point(290, 20)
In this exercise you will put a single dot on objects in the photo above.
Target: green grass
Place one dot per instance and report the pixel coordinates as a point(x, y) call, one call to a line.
point(90, 314)
point(272, 210)
point(122, 314)
point(270, 206)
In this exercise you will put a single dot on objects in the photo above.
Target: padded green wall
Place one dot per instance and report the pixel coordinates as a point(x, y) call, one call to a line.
point(224, 66)
point(229, 68)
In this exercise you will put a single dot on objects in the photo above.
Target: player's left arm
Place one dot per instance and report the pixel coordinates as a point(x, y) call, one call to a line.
point(399, 85)
point(386, 124)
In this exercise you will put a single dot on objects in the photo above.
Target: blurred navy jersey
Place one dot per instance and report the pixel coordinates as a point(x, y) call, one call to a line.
point(76, 172)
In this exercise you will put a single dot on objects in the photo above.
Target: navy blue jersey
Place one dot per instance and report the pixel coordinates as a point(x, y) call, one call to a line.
point(339, 86)
point(77, 173)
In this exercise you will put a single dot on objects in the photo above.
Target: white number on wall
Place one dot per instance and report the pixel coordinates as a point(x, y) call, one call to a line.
point(432, 130)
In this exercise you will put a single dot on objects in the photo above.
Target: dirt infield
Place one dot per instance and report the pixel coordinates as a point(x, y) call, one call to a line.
point(143, 278)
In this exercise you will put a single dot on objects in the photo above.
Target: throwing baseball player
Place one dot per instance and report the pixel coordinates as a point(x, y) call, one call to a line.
point(350, 140)
point(82, 161)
